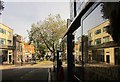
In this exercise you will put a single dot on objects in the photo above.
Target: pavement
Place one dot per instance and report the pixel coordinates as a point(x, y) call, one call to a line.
point(52, 76)
point(38, 63)
point(10, 66)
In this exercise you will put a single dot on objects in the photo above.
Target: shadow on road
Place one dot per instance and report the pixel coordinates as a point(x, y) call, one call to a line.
point(25, 74)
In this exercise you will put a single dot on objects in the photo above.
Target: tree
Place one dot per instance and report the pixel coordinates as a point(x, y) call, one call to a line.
point(111, 11)
point(48, 32)
point(1, 6)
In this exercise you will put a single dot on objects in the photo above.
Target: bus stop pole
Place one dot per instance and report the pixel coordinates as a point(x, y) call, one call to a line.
point(70, 59)
point(57, 61)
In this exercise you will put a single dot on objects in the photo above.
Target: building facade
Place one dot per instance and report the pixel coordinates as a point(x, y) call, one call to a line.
point(98, 36)
point(6, 44)
point(76, 51)
point(28, 51)
point(84, 49)
point(18, 52)
point(100, 44)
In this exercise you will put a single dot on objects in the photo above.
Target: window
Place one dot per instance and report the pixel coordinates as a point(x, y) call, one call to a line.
point(106, 39)
point(90, 42)
point(26, 50)
point(98, 31)
point(105, 28)
point(9, 33)
point(10, 52)
point(98, 41)
point(90, 34)
point(9, 42)
point(2, 41)
point(2, 31)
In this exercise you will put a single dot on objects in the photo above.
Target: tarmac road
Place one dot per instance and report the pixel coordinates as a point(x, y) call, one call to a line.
point(31, 73)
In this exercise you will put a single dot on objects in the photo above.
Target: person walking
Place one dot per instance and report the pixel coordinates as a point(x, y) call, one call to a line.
point(21, 61)
point(60, 73)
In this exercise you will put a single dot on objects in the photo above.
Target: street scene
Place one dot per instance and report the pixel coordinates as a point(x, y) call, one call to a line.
point(59, 40)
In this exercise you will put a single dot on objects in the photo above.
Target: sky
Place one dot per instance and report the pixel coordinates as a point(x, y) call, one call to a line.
point(21, 15)
point(92, 20)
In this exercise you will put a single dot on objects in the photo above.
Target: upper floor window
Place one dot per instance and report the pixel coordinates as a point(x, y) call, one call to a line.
point(106, 39)
point(2, 31)
point(9, 33)
point(104, 29)
point(90, 42)
point(9, 42)
point(2, 41)
point(98, 41)
point(98, 31)
point(90, 34)
point(26, 50)
point(18, 46)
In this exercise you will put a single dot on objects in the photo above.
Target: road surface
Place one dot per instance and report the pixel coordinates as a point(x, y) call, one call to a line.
point(31, 73)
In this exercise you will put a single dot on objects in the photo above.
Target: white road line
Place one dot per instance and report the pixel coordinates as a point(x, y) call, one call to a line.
point(27, 73)
point(49, 75)
point(77, 78)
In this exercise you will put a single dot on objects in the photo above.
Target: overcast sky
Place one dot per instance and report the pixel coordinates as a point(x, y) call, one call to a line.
point(20, 15)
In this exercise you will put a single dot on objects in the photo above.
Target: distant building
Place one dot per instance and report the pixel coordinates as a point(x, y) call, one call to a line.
point(28, 51)
point(18, 52)
point(102, 46)
point(6, 44)
point(77, 51)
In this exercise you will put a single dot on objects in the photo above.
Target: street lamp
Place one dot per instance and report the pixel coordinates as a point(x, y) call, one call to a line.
point(36, 43)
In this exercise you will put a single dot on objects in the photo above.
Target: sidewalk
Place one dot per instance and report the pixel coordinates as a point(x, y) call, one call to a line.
point(54, 74)
point(10, 66)
point(77, 73)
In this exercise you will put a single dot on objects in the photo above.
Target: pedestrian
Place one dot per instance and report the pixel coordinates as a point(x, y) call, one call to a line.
point(60, 77)
point(13, 61)
point(21, 62)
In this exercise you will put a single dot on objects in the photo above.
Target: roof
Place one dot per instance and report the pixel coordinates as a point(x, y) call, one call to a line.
point(6, 26)
point(98, 25)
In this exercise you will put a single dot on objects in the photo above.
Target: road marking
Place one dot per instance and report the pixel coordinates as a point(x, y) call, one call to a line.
point(77, 78)
point(27, 74)
point(16, 69)
point(49, 74)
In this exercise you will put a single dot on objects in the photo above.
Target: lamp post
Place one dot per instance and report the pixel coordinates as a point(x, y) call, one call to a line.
point(36, 43)
point(70, 57)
